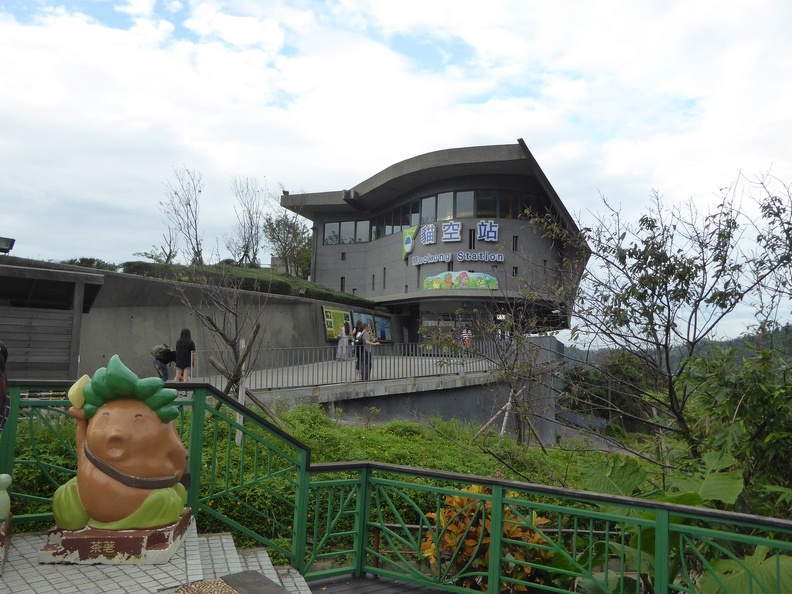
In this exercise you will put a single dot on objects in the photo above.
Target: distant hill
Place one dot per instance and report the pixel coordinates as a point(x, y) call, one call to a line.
point(744, 346)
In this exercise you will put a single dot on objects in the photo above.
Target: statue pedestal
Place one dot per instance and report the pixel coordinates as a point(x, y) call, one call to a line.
point(5, 537)
point(92, 546)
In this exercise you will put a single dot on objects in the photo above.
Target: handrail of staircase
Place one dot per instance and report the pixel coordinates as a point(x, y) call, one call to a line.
point(449, 531)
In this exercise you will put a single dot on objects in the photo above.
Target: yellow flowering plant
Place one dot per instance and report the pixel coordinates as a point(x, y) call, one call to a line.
point(459, 545)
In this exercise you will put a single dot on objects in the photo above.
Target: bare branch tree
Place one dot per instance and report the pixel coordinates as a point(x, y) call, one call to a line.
point(181, 208)
point(166, 253)
point(230, 307)
point(248, 234)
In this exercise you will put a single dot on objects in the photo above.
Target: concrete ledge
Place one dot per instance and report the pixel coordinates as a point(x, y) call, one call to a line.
point(334, 393)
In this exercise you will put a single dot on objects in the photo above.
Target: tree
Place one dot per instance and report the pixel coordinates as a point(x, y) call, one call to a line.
point(91, 263)
point(287, 235)
point(181, 208)
point(658, 289)
point(166, 253)
point(231, 309)
point(304, 257)
point(248, 234)
point(512, 339)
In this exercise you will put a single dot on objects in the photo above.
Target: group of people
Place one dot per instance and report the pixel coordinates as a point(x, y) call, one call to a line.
point(362, 342)
point(183, 358)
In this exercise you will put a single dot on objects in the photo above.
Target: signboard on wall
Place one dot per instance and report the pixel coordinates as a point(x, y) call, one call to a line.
point(383, 328)
point(334, 320)
point(366, 318)
point(460, 280)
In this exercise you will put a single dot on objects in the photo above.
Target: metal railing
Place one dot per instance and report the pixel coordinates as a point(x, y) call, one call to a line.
point(294, 367)
point(452, 532)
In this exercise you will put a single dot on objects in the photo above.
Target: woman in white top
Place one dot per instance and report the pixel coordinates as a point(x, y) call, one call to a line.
point(342, 354)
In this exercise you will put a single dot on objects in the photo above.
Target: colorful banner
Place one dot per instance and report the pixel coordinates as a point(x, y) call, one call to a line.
point(460, 280)
point(408, 240)
point(334, 320)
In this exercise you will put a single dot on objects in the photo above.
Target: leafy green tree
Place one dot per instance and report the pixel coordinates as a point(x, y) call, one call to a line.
point(287, 235)
point(658, 289)
point(91, 263)
point(304, 257)
point(746, 404)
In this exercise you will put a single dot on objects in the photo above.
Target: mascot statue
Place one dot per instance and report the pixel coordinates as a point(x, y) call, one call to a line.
point(130, 464)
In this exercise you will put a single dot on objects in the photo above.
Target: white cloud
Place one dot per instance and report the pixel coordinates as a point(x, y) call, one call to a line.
point(136, 7)
point(614, 97)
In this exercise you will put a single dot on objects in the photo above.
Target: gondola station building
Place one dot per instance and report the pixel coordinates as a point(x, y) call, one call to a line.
point(439, 233)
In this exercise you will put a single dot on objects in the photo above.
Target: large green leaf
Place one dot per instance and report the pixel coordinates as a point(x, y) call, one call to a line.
point(714, 484)
point(755, 573)
point(621, 476)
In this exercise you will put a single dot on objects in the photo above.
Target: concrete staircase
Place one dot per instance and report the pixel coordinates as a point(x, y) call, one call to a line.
point(194, 569)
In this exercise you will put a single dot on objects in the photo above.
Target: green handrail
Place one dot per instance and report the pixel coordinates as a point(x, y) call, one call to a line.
point(448, 531)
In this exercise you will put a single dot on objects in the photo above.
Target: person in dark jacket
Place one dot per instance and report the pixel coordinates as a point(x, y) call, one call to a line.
point(185, 355)
point(162, 358)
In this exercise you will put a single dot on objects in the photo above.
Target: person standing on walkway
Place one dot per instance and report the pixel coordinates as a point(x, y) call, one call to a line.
point(342, 353)
point(356, 345)
point(185, 356)
point(365, 352)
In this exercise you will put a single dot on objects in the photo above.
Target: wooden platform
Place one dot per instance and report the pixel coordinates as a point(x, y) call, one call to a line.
point(366, 585)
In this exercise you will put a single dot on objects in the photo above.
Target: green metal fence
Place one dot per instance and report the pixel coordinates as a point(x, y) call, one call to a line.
point(452, 532)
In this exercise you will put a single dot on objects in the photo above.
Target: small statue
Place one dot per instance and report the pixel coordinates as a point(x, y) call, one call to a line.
point(130, 459)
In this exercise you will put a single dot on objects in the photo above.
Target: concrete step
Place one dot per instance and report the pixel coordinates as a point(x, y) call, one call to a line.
point(202, 559)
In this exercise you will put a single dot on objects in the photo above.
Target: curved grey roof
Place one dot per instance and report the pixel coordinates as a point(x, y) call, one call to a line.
point(400, 178)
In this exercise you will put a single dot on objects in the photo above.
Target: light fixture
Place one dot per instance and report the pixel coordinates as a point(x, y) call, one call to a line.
point(6, 244)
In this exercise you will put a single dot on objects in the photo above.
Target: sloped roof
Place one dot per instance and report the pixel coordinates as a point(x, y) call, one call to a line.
point(398, 179)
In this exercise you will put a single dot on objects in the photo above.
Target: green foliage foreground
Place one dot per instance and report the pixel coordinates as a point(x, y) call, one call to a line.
point(437, 445)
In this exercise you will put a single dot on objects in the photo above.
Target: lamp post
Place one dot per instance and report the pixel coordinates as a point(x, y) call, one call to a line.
point(6, 244)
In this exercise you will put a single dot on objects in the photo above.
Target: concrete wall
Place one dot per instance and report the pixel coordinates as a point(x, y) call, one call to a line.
point(132, 314)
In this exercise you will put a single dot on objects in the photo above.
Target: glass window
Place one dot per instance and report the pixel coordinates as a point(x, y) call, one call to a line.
point(523, 204)
point(396, 220)
point(445, 206)
point(380, 226)
point(428, 210)
point(464, 205)
point(347, 234)
point(388, 218)
point(486, 203)
point(362, 231)
point(507, 201)
point(331, 234)
point(405, 216)
point(415, 213)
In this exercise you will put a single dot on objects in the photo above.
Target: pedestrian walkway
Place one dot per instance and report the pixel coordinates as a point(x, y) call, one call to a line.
point(195, 569)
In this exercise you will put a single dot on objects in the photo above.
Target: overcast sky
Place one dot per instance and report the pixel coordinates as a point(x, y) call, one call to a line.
point(101, 99)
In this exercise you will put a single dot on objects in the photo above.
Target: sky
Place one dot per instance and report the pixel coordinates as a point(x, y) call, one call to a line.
point(101, 99)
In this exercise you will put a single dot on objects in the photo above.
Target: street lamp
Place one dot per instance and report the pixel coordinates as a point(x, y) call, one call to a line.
point(6, 244)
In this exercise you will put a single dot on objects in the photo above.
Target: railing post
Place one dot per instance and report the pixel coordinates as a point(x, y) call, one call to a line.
point(196, 447)
point(662, 541)
point(496, 537)
point(300, 524)
point(9, 434)
point(361, 520)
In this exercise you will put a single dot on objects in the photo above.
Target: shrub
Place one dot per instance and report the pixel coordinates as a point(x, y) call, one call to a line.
point(461, 539)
